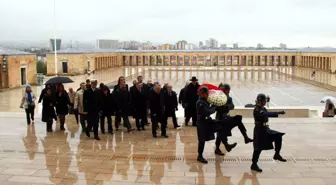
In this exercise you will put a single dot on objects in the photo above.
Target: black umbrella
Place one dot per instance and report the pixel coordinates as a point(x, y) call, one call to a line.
point(59, 80)
point(250, 105)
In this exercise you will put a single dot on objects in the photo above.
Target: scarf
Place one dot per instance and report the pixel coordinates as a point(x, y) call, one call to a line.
point(29, 98)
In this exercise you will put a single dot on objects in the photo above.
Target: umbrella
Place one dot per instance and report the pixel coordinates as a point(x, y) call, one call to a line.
point(59, 80)
point(250, 105)
point(330, 98)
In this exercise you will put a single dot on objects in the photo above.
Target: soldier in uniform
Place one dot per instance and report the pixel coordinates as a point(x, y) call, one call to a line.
point(206, 127)
point(263, 136)
point(230, 121)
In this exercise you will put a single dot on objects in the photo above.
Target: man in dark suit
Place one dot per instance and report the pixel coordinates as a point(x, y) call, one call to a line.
point(92, 105)
point(191, 99)
point(182, 99)
point(123, 104)
point(156, 102)
point(170, 101)
point(139, 104)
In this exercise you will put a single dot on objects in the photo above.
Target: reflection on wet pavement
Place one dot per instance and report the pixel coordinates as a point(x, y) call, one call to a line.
point(30, 156)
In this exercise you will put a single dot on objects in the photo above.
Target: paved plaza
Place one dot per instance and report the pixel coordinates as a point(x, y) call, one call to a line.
point(28, 155)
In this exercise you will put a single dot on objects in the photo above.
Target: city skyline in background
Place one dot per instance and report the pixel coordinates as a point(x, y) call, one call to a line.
point(298, 23)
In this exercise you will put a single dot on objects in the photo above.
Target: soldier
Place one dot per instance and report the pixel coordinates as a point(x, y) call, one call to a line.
point(206, 127)
point(263, 136)
point(230, 121)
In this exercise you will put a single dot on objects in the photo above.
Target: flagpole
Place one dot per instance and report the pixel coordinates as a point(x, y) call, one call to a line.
point(55, 39)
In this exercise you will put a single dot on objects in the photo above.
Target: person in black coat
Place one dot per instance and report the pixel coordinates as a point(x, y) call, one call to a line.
point(191, 99)
point(117, 116)
point(48, 109)
point(107, 110)
point(92, 105)
point(231, 121)
point(170, 101)
point(206, 126)
point(145, 89)
point(156, 102)
point(123, 104)
point(44, 92)
point(62, 104)
point(263, 136)
point(139, 104)
point(182, 98)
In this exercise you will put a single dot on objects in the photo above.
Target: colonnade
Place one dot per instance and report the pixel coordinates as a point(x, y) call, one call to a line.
point(317, 62)
point(207, 60)
point(106, 62)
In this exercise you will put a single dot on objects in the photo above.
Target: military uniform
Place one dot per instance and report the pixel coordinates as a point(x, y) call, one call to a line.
point(263, 136)
point(206, 126)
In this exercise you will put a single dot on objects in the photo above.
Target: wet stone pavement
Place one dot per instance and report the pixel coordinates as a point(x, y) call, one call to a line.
point(28, 155)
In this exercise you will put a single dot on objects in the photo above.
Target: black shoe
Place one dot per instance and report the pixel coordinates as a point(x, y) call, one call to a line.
point(143, 128)
point(229, 147)
point(110, 133)
point(194, 125)
point(155, 136)
point(202, 160)
point(248, 140)
point(62, 128)
point(219, 152)
point(97, 138)
point(139, 129)
point(177, 126)
point(164, 136)
point(117, 129)
point(49, 130)
point(103, 132)
point(129, 130)
point(87, 134)
point(278, 157)
point(255, 167)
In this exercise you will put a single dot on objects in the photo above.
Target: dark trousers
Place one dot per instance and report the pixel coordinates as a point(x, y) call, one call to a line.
point(83, 119)
point(221, 136)
point(277, 139)
point(193, 115)
point(49, 124)
point(229, 124)
point(30, 114)
point(155, 122)
point(62, 121)
point(173, 115)
point(93, 121)
point(76, 115)
point(109, 123)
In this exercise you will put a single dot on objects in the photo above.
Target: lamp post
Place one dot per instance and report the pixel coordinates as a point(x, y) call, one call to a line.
point(55, 40)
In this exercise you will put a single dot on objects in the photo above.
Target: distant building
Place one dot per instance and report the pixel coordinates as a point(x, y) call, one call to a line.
point(223, 46)
point(211, 43)
point(283, 46)
point(235, 46)
point(181, 44)
point(200, 45)
point(167, 47)
point(58, 44)
point(190, 46)
point(260, 46)
point(107, 44)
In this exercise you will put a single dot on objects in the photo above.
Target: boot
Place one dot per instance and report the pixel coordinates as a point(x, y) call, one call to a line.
point(246, 138)
point(278, 157)
point(229, 147)
point(255, 167)
point(202, 160)
point(219, 152)
point(96, 137)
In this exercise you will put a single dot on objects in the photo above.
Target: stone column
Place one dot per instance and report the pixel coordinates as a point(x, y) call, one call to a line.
point(204, 60)
point(183, 61)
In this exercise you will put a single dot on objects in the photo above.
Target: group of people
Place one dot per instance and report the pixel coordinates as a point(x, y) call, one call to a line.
point(91, 105)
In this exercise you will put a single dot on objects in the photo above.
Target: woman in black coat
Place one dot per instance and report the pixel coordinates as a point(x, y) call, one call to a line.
point(62, 102)
point(48, 109)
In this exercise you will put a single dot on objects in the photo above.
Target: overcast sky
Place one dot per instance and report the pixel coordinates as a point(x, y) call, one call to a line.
point(247, 22)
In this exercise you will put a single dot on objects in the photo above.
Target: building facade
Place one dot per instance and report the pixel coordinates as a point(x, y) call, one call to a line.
point(107, 44)
point(74, 63)
point(16, 68)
